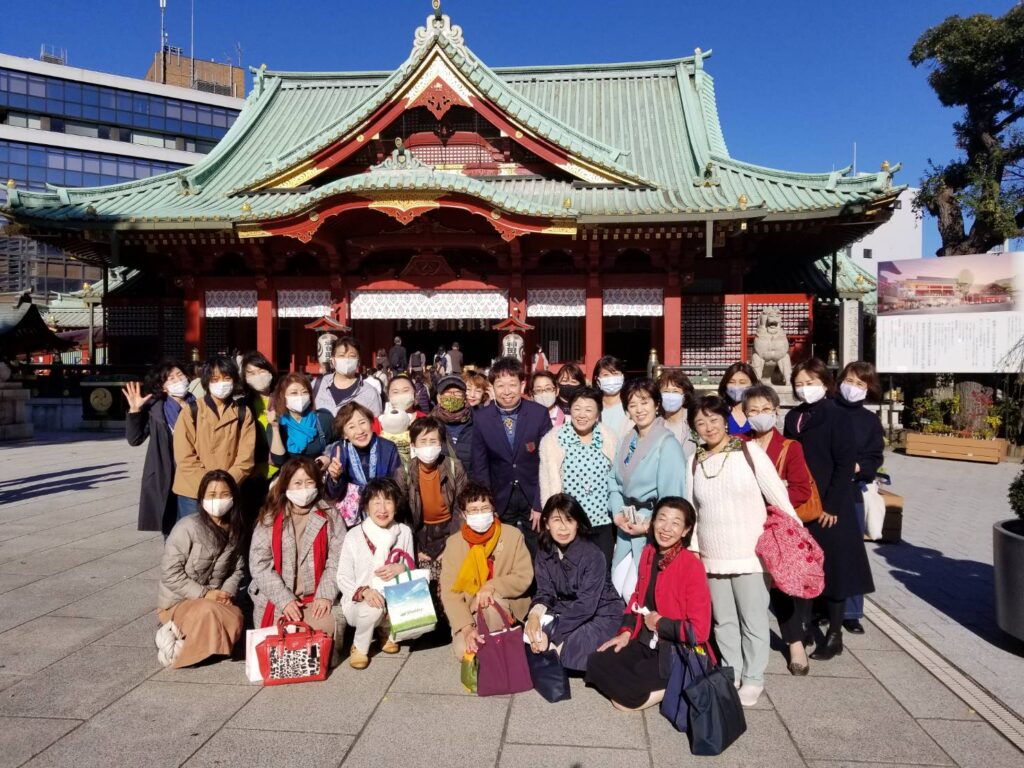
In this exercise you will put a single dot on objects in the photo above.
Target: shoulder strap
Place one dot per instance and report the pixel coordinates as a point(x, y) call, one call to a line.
point(781, 461)
point(317, 385)
point(193, 408)
point(746, 455)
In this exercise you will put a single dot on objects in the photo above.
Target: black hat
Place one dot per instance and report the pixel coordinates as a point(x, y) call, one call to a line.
point(450, 381)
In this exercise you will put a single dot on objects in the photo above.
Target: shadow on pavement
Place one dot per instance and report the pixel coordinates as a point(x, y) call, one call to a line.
point(73, 482)
point(961, 589)
point(62, 473)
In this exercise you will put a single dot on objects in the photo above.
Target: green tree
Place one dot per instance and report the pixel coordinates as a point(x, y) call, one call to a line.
point(977, 63)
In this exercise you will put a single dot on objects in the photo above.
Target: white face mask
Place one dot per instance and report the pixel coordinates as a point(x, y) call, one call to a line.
point(611, 383)
point(403, 402)
point(547, 399)
point(852, 393)
point(177, 388)
point(810, 393)
point(480, 522)
point(346, 366)
point(301, 497)
point(428, 453)
point(297, 403)
point(762, 422)
point(671, 401)
point(259, 381)
point(222, 389)
point(218, 507)
point(735, 391)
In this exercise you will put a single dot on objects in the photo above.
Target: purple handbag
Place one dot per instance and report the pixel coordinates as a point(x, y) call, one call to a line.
point(502, 656)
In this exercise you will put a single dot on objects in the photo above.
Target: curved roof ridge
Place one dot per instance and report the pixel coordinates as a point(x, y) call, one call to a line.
point(795, 176)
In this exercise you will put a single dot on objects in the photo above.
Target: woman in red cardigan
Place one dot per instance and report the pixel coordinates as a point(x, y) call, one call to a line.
point(632, 669)
point(761, 405)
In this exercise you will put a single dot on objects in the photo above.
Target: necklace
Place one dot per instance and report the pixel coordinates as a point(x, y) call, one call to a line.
point(703, 454)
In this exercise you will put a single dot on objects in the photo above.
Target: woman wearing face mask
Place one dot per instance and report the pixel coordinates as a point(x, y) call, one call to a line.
point(608, 377)
point(345, 385)
point(575, 608)
point(293, 557)
point(677, 398)
point(259, 380)
point(859, 384)
point(199, 576)
point(433, 487)
point(570, 381)
point(633, 667)
point(455, 411)
point(543, 390)
point(824, 430)
point(577, 459)
point(761, 406)
point(219, 435)
point(154, 416)
point(295, 428)
point(737, 378)
point(355, 459)
point(485, 563)
point(363, 569)
point(648, 466)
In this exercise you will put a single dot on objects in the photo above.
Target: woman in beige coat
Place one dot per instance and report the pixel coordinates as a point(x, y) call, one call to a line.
point(486, 563)
point(577, 459)
point(200, 572)
point(294, 553)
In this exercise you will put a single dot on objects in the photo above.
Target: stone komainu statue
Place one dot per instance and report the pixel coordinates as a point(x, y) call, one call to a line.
point(771, 345)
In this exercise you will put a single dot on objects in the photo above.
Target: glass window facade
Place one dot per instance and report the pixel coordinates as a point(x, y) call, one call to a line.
point(42, 95)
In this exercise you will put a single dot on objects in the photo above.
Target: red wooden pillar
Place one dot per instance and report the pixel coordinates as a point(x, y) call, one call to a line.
point(672, 323)
point(195, 343)
point(594, 324)
point(266, 320)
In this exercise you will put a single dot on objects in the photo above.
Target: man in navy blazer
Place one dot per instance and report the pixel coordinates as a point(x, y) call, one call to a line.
point(506, 449)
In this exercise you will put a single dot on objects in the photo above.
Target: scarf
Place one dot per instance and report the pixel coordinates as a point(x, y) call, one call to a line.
point(380, 541)
point(319, 560)
point(299, 434)
point(172, 409)
point(631, 455)
point(355, 466)
point(460, 416)
point(670, 555)
point(476, 569)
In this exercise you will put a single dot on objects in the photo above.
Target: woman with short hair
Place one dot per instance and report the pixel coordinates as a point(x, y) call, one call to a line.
point(478, 389)
point(737, 378)
point(677, 399)
point(296, 428)
point(199, 577)
point(609, 378)
point(543, 390)
point(571, 380)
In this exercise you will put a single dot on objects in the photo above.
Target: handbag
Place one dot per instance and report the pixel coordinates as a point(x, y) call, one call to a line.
point(502, 658)
point(791, 555)
point(296, 654)
point(254, 637)
point(687, 666)
point(874, 511)
point(811, 509)
point(410, 606)
point(715, 718)
point(549, 677)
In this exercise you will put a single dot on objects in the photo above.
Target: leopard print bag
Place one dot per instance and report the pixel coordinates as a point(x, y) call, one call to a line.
point(296, 654)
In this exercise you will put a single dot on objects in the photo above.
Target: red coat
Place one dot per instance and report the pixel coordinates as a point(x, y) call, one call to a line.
point(681, 593)
point(794, 472)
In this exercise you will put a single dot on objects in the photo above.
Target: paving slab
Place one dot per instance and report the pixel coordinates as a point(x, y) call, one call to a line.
point(430, 670)
point(520, 755)
point(914, 686)
point(594, 721)
point(140, 633)
point(10, 581)
point(126, 601)
point(235, 747)
point(403, 725)
point(40, 642)
point(974, 745)
point(6, 681)
point(851, 719)
point(155, 725)
point(57, 560)
point(347, 698)
point(765, 743)
point(221, 672)
point(23, 737)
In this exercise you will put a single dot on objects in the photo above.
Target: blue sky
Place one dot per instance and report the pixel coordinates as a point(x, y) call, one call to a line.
point(798, 82)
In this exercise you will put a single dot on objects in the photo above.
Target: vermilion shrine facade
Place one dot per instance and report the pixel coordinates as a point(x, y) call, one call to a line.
point(597, 203)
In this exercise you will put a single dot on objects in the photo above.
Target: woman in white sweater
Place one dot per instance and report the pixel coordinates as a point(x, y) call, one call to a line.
point(363, 569)
point(731, 481)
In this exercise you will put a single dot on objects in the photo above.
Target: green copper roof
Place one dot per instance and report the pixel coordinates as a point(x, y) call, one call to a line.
point(653, 124)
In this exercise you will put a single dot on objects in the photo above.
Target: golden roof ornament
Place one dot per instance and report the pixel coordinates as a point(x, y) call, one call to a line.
point(885, 166)
point(742, 200)
point(246, 207)
point(567, 203)
point(437, 24)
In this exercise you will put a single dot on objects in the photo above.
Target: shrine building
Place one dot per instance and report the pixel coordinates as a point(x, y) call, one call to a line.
point(597, 205)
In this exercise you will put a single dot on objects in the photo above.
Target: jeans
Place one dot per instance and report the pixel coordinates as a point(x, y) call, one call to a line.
point(855, 603)
point(187, 506)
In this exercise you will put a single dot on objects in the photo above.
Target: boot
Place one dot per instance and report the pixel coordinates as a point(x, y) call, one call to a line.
point(833, 647)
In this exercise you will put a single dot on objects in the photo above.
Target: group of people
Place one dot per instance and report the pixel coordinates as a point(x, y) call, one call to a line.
point(612, 517)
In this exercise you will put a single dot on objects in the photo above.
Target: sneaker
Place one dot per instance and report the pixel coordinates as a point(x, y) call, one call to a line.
point(357, 659)
point(749, 694)
point(168, 641)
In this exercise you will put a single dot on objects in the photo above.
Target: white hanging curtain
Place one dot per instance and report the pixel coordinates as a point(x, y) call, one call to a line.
point(634, 302)
point(556, 302)
point(429, 305)
point(303, 303)
point(231, 303)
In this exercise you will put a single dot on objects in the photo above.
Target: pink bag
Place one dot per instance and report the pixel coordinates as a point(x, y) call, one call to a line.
point(791, 555)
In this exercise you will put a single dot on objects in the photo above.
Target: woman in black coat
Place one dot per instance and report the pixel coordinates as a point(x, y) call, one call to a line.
point(153, 416)
point(824, 430)
point(858, 384)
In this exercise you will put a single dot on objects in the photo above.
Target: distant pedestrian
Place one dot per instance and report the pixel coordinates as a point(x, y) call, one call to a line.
point(455, 359)
point(398, 358)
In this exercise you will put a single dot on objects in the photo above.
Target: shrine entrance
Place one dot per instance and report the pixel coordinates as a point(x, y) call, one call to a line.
point(630, 339)
point(478, 346)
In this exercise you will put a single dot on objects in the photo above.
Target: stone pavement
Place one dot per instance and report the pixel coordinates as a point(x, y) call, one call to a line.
point(81, 685)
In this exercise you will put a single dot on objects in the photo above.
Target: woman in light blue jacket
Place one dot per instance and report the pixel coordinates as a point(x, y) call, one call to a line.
point(649, 465)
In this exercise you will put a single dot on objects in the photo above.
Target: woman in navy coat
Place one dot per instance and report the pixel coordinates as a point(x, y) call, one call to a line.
point(154, 416)
point(824, 431)
point(576, 608)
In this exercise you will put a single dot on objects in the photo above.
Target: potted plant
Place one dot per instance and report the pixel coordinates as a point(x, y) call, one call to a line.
point(1008, 563)
point(944, 433)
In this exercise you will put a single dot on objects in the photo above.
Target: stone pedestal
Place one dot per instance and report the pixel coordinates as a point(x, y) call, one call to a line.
point(14, 419)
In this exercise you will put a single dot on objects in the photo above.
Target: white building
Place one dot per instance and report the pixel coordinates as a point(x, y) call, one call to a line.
point(902, 237)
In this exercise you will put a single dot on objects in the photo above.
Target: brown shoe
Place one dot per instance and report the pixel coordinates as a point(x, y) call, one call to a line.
point(357, 659)
point(390, 646)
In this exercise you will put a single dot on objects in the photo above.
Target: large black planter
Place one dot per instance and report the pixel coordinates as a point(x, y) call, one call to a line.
point(1008, 561)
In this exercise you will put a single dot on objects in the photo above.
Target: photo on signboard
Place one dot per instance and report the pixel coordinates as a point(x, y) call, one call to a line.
point(986, 282)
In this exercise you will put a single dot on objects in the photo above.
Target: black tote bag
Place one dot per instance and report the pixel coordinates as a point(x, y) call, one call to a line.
point(716, 717)
point(549, 677)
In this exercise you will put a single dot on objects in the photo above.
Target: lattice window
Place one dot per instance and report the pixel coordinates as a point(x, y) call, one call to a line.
point(137, 320)
point(173, 340)
point(216, 332)
point(453, 154)
point(561, 337)
point(712, 335)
